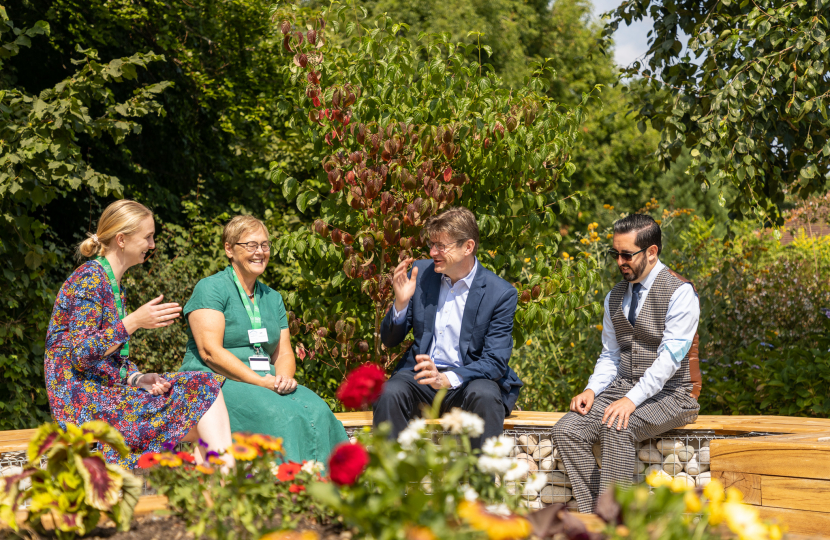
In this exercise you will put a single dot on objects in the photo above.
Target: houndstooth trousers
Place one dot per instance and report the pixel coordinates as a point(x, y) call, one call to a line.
point(574, 435)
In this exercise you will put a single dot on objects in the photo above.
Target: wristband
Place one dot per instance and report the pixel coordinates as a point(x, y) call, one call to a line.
point(134, 378)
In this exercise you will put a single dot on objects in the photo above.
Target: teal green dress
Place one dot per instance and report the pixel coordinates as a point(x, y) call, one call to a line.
point(308, 428)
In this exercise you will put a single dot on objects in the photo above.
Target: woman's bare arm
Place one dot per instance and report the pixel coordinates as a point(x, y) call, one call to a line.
point(284, 365)
point(208, 327)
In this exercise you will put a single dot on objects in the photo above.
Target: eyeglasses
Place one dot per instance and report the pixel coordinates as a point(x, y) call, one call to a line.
point(251, 246)
point(626, 257)
point(442, 248)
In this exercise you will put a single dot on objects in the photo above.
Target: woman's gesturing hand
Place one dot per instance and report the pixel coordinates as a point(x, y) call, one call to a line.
point(153, 383)
point(153, 314)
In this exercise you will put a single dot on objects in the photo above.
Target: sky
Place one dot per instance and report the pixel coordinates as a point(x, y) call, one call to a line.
point(630, 41)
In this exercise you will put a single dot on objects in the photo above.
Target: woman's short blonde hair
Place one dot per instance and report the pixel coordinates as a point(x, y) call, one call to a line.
point(240, 225)
point(124, 216)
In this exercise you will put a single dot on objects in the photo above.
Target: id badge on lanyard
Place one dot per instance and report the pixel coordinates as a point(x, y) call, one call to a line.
point(257, 335)
point(119, 308)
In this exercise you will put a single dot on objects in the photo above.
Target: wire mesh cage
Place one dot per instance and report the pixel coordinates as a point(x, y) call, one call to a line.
point(678, 453)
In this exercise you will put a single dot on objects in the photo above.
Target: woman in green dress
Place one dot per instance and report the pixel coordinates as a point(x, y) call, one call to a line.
point(239, 329)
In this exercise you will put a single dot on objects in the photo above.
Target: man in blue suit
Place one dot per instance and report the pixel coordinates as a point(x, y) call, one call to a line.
point(461, 317)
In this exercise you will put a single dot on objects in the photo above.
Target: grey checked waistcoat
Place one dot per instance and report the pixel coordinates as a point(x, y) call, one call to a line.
point(639, 344)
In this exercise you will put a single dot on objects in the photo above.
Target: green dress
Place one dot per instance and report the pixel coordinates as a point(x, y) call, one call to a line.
point(308, 428)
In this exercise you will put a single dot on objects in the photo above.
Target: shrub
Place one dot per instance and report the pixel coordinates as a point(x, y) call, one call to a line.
point(76, 486)
point(390, 159)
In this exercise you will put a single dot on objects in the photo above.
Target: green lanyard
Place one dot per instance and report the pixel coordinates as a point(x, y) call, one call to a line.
point(116, 291)
point(253, 314)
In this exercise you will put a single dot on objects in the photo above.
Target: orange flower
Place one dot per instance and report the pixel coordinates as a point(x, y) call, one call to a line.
point(243, 451)
point(265, 442)
point(291, 535)
point(204, 469)
point(296, 488)
point(497, 526)
point(414, 532)
point(287, 471)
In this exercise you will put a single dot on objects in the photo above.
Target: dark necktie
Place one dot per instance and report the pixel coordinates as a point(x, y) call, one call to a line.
point(635, 299)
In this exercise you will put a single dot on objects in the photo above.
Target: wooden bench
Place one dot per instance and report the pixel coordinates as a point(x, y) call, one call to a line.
point(786, 475)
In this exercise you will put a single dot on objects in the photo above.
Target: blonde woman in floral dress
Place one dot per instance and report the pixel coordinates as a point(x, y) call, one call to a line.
point(89, 373)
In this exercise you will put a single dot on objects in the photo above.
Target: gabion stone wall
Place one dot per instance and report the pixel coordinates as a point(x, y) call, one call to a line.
point(681, 453)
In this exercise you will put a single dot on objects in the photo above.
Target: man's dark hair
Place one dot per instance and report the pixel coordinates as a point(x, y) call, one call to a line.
point(648, 231)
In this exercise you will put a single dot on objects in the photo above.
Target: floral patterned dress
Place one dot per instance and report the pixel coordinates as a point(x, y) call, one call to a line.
point(83, 384)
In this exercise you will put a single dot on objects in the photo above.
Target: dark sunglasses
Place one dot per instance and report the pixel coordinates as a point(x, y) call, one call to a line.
point(626, 257)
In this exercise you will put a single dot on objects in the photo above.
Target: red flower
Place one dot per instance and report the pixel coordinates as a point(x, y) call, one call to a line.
point(150, 459)
point(362, 386)
point(187, 458)
point(347, 462)
point(296, 488)
point(287, 471)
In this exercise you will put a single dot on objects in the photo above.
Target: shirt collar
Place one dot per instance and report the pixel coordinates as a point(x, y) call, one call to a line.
point(649, 279)
point(467, 280)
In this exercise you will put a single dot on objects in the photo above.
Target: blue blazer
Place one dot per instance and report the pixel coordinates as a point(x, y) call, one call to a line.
point(486, 341)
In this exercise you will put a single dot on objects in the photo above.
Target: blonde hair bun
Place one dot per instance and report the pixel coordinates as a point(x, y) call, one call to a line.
point(121, 217)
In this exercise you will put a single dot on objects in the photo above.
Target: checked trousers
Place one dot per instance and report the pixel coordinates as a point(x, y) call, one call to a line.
point(574, 435)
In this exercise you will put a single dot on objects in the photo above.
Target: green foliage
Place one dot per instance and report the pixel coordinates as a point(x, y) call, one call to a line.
point(76, 487)
point(261, 491)
point(748, 95)
point(770, 377)
point(392, 159)
point(41, 160)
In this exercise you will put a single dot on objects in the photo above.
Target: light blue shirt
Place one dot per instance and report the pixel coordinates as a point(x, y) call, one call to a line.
point(681, 324)
point(443, 349)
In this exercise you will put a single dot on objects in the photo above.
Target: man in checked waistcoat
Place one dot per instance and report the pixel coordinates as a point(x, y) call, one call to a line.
point(644, 383)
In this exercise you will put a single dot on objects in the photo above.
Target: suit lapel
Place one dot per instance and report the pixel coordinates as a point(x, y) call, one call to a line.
point(431, 287)
point(468, 321)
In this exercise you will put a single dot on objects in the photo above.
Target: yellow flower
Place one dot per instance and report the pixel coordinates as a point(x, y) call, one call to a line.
point(497, 526)
point(658, 478)
point(566, 256)
point(584, 241)
point(572, 344)
point(714, 491)
point(609, 236)
point(744, 520)
point(658, 221)
point(169, 460)
point(622, 530)
point(775, 532)
point(598, 327)
point(243, 451)
point(692, 501)
point(734, 495)
point(528, 342)
point(527, 259)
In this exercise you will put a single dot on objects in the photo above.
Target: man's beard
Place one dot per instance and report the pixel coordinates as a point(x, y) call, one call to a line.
point(635, 271)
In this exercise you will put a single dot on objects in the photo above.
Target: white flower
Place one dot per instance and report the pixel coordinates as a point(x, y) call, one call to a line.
point(518, 469)
point(457, 421)
point(313, 467)
point(408, 437)
point(538, 482)
point(498, 446)
point(499, 510)
point(401, 455)
point(494, 465)
point(469, 493)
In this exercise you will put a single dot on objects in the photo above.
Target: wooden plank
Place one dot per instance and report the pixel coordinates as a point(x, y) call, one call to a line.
point(15, 440)
point(795, 493)
point(748, 484)
point(800, 457)
point(146, 505)
point(798, 521)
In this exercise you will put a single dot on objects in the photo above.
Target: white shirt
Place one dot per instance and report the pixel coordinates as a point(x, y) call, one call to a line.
point(443, 349)
point(681, 324)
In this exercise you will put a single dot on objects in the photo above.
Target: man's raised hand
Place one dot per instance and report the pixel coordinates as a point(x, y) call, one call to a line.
point(404, 286)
